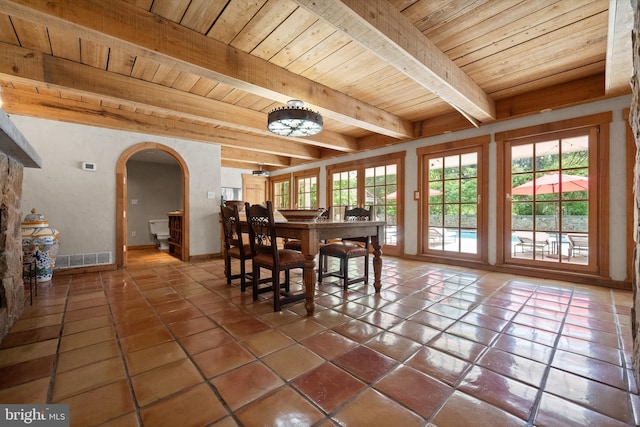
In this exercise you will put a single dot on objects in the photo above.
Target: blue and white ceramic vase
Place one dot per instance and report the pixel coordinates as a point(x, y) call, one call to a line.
point(40, 242)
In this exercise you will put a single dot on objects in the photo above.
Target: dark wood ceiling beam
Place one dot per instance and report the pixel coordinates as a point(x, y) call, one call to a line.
point(125, 26)
point(381, 28)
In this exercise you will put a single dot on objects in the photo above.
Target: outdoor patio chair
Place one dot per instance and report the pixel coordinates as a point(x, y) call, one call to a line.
point(533, 241)
point(578, 243)
point(437, 235)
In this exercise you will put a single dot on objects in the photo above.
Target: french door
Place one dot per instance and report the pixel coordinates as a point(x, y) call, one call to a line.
point(551, 200)
point(453, 215)
point(375, 182)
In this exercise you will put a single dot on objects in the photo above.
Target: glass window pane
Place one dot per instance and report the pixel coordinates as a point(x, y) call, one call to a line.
point(307, 193)
point(452, 191)
point(522, 186)
point(391, 235)
point(392, 173)
point(522, 158)
point(546, 216)
point(452, 215)
point(575, 217)
point(342, 185)
point(469, 190)
point(452, 167)
point(435, 169)
point(547, 155)
point(469, 241)
point(522, 216)
point(435, 215)
point(369, 173)
point(469, 218)
point(575, 152)
point(469, 164)
point(281, 195)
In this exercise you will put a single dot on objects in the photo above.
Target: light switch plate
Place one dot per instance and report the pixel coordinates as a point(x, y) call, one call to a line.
point(211, 195)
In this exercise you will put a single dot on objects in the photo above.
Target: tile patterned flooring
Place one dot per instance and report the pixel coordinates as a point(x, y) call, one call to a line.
point(166, 343)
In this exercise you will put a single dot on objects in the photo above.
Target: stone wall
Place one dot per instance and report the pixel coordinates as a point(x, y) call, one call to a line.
point(12, 296)
point(634, 120)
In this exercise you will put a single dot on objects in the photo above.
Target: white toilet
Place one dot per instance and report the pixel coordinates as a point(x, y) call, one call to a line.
point(160, 230)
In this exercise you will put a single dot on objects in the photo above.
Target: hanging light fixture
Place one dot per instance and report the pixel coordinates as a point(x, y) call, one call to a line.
point(294, 120)
point(260, 172)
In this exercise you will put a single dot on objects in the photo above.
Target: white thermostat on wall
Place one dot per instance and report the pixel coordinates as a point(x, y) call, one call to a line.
point(89, 166)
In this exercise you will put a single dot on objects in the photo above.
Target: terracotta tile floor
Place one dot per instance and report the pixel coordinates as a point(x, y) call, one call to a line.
point(165, 343)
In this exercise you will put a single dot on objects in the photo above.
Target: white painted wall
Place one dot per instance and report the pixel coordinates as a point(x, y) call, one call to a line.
point(233, 177)
point(156, 189)
point(78, 203)
point(82, 205)
point(617, 218)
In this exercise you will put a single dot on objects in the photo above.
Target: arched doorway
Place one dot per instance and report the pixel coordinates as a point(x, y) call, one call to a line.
point(121, 199)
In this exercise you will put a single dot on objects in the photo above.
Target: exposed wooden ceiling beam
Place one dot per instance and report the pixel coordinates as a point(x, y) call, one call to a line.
point(237, 165)
point(250, 156)
point(619, 67)
point(141, 33)
point(91, 114)
point(381, 28)
point(40, 68)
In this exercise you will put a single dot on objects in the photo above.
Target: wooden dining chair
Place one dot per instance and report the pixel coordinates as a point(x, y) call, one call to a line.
point(354, 247)
point(234, 246)
point(267, 255)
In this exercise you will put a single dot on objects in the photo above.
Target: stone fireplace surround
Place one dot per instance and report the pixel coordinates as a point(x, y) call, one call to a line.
point(15, 155)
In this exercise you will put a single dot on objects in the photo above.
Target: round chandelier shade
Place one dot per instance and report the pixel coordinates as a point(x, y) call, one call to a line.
point(294, 120)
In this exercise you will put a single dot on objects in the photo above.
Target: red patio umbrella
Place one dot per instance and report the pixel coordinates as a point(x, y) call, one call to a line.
point(552, 183)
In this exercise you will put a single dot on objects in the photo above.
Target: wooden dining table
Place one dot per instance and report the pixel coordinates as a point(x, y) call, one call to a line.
point(310, 233)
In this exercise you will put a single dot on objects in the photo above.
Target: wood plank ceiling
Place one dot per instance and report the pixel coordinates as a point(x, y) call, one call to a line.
point(380, 72)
